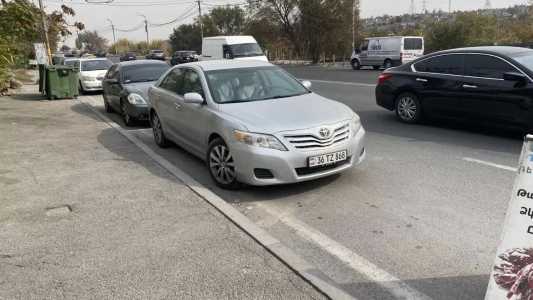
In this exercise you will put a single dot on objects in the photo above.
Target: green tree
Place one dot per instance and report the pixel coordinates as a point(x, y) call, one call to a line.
point(186, 37)
point(92, 41)
point(227, 20)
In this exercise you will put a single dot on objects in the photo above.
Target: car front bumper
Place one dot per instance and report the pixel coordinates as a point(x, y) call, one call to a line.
point(138, 112)
point(93, 85)
point(291, 166)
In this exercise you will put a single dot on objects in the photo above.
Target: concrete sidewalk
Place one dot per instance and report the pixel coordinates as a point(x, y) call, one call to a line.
point(85, 215)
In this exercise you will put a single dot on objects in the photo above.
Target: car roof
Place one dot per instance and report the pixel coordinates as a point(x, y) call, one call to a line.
point(501, 50)
point(225, 64)
point(92, 59)
point(141, 62)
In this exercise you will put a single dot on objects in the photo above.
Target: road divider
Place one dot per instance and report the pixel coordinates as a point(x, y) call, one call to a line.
point(304, 269)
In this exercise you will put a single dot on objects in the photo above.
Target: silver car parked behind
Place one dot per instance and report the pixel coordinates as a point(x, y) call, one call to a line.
point(254, 123)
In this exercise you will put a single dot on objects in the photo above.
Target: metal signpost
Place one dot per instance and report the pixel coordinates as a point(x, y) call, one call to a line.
point(512, 274)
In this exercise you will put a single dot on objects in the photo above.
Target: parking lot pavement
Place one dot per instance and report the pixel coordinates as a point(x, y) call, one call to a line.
point(84, 214)
point(420, 218)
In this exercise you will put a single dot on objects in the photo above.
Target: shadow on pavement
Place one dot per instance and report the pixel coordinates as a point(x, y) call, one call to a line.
point(29, 97)
point(442, 288)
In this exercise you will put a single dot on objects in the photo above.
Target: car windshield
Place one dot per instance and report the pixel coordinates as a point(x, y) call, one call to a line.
point(246, 50)
point(94, 65)
point(525, 59)
point(143, 73)
point(73, 63)
point(252, 84)
point(186, 53)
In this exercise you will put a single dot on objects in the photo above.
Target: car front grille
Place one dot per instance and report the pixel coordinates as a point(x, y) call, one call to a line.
point(310, 141)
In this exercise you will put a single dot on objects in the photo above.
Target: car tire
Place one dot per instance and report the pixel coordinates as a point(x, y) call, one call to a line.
point(408, 108)
point(387, 64)
point(221, 165)
point(355, 64)
point(157, 129)
point(108, 108)
point(128, 120)
point(82, 91)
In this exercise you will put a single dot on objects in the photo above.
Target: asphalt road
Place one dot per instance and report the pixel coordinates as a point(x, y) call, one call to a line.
point(421, 217)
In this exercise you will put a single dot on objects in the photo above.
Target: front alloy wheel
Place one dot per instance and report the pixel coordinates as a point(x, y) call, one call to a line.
point(128, 120)
point(408, 108)
point(221, 165)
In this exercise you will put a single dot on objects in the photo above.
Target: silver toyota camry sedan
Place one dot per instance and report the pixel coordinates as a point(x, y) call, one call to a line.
point(254, 123)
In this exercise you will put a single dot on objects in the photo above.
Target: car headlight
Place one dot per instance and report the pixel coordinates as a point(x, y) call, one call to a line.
point(355, 125)
point(136, 99)
point(259, 140)
point(88, 78)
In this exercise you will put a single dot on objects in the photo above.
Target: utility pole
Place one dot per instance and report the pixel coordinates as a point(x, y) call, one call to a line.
point(114, 37)
point(412, 9)
point(450, 6)
point(354, 11)
point(424, 6)
point(146, 29)
point(201, 19)
point(45, 32)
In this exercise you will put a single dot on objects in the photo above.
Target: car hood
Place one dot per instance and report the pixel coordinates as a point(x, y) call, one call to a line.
point(140, 88)
point(285, 114)
point(97, 73)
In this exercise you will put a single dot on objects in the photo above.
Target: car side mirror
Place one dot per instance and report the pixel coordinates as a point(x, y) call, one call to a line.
point(519, 78)
point(193, 98)
point(307, 84)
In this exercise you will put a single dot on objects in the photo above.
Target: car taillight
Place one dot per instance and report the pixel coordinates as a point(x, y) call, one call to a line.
point(384, 77)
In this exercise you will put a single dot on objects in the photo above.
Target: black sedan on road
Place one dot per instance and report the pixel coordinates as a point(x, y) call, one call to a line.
point(128, 56)
point(182, 57)
point(126, 87)
point(490, 85)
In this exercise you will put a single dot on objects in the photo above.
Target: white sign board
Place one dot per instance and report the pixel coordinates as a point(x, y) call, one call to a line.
point(512, 274)
point(41, 54)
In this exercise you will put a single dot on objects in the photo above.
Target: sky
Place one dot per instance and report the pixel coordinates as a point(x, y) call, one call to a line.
point(126, 14)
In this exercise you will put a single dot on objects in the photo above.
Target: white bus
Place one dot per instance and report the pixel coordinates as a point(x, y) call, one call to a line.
point(387, 51)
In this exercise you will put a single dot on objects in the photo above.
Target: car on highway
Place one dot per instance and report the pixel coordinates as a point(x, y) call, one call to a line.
point(253, 123)
point(491, 85)
point(183, 56)
point(92, 72)
point(126, 87)
point(128, 56)
point(387, 51)
point(156, 54)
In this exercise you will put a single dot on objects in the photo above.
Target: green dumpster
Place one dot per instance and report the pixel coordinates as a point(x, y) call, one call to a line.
point(61, 82)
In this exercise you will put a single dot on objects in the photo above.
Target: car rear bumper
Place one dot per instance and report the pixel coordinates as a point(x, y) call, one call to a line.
point(95, 85)
point(291, 166)
point(385, 97)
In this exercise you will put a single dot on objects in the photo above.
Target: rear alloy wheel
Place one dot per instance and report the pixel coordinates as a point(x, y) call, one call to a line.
point(387, 64)
point(356, 65)
point(128, 120)
point(221, 165)
point(408, 108)
point(159, 135)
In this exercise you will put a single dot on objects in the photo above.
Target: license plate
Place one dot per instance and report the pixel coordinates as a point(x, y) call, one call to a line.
point(327, 159)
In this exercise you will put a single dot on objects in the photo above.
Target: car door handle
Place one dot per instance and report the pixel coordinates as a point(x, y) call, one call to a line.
point(421, 80)
point(469, 86)
point(177, 106)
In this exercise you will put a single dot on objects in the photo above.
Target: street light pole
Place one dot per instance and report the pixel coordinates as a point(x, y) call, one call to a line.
point(201, 19)
point(114, 37)
point(45, 32)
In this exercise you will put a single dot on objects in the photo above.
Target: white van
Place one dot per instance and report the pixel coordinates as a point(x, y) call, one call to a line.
point(387, 51)
point(231, 47)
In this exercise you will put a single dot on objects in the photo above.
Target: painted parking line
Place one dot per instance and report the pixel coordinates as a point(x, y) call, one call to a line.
point(296, 263)
point(490, 164)
point(340, 82)
point(359, 264)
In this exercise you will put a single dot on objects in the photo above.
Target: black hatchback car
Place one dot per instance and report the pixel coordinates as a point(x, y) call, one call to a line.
point(182, 57)
point(491, 85)
point(126, 87)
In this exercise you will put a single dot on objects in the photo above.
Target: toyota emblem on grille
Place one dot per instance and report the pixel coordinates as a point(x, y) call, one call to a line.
point(324, 132)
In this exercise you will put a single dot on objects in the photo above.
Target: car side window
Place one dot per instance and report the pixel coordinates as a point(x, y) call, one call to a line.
point(192, 83)
point(487, 66)
point(452, 64)
point(173, 82)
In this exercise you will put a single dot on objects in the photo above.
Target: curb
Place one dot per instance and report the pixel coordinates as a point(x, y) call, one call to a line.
point(304, 269)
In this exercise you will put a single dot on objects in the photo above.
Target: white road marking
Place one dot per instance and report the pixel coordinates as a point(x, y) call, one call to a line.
point(490, 164)
point(341, 82)
point(392, 284)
